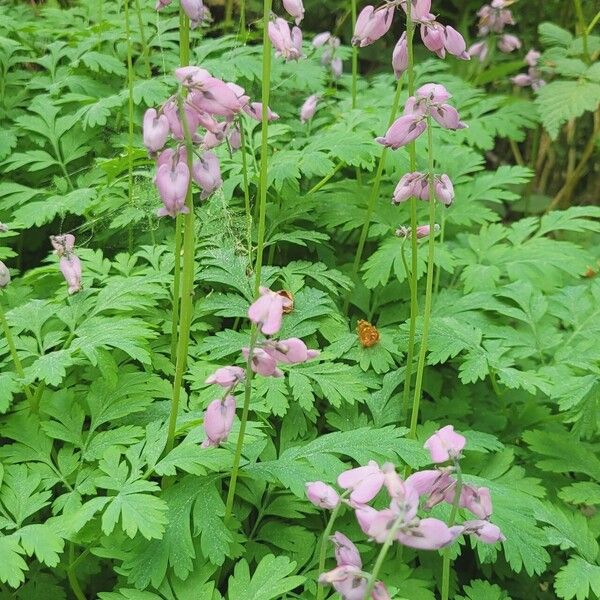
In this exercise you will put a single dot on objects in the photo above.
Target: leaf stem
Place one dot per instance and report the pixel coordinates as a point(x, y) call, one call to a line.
point(72, 575)
point(145, 50)
point(583, 27)
point(247, 206)
point(354, 57)
point(130, 77)
point(325, 180)
point(446, 559)
point(428, 290)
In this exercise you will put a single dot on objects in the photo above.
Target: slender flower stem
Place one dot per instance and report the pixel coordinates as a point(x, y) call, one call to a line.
point(323, 547)
point(243, 19)
point(130, 78)
point(228, 12)
point(438, 271)
point(72, 575)
point(187, 277)
point(246, 190)
point(10, 342)
point(354, 58)
point(374, 194)
point(325, 180)
point(446, 559)
point(145, 51)
point(428, 291)
point(260, 246)
point(583, 28)
point(593, 23)
point(412, 152)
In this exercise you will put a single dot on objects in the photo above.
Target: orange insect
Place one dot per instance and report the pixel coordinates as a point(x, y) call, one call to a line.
point(288, 296)
point(367, 334)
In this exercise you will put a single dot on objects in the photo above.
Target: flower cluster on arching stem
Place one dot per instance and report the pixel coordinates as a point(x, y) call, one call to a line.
point(70, 265)
point(404, 519)
point(263, 358)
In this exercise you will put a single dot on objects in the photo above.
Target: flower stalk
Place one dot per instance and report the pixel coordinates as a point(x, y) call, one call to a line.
point(453, 513)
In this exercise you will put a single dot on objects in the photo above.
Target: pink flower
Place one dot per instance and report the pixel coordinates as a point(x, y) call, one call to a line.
point(255, 110)
point(262, 363)
point(404, 130)
point(172, 182)
point(372, 24)
point(455, 43)
point(509, 43)
point(424, 231)
point(433, 93)
point(215, 97)
point(295, 9)
point(346, 553)
point(207, 173)
point(287, 43)
point(406, 187)
point(521, 80)
point(267, 311)
point(322, 495)
point(235, 138)
point(447, 116)
point(171, 112)
point(195, 10)
point(484, 530)
point(380, 592)
point(226, 377)
point(309, 108)
point(321, 39)
point(532, 57)
point(291, 351)
point(70, 267)
point(160, 4)
point(337, 67)
point(218, 420)
point(477, 500)
point(4, 275)
point(405, 498)
point(445, 444)
point(443, 188)
point(381, 524)
point(63, 244)
point(365, 515)
point(400, 56)
point(420, 10)
point(433, 35)
point(364, 482)
point(438, 486)
point(191, 76)
point(156, 130)
point(171, 157)
point(428, 534)
point(347, 581)
point(479, 50)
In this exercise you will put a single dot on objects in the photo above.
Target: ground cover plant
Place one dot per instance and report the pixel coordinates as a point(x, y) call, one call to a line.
point(299, 300)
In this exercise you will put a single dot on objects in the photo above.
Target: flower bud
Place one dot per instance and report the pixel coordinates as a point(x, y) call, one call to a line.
point(295, 9)
point(195, 10)
point(400, 56)
point(218, 420)
point(509, 43)
point(309, 108)
point(155, 130)
point(445, 444)
point(322, 495)
point(4, 275)
point(226, 377)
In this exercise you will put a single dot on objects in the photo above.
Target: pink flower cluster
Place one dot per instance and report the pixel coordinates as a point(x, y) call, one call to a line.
point(417, 185)
point(329, 58)
point(194, 9)
point(533, 77)
point(70, 265)
point(210, 104)
point(267, 313)
point(428, 101)
point(400, 521)
point(493, 18)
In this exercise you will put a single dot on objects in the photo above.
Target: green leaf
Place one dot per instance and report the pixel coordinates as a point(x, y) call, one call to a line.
point(483, 590)
point(12, 565)
point(42, 541)
point(577, 579)
point(9, 386)
point(271, 579)
point(553, 35)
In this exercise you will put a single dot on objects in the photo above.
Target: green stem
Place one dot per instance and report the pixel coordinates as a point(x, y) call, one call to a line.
point(176, 287)
point(130, 76)
point(438, 271)
point(145, 51)
point(246, 191)
point(354, 58)
point(228, 12)
point(72, 576)
point(264, 165)
point(412, 152)
point(10, 342)
point(428, 290)
point(374, 194)
point(446, 559)
point(593, 23)
point(325, 180)
point(243, 19)
point(583, 27)
point(323, 547)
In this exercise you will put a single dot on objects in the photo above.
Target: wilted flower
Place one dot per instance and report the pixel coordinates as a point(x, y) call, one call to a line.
point(172, 182)
point(309, 108)
point(63, 244)
point(322, 495)
point(445, 444)
point(267, 311)
point(4, 275)
point(226, 377)
point(218, 420)
point(372, 24)
point(70, 267)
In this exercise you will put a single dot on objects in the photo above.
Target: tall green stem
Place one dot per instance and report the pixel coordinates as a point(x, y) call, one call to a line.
point(145, 52)
point(260, 246)
point(243, 19)
point(228, 12)
point(130, 77)
point(428, 290)
point(374, 193)
point(446, 559)
point(10, 342)
point(247, 206)
point(412, 152)
point(354, 58)
point(187, 277)
point(583, 28)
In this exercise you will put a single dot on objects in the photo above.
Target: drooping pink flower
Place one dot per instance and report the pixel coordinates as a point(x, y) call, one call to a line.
point(406, 187)
point(455, 43)
point(424, 231)
point(155, 130)
point(337, 67)
point(235, 138)
point(4, 275)
point(215, 97)
point(171, 157)
point(532, 57)
point(433, 35)
point(262, 363)
point(160, 4)
point(287, 43)
point(420, 10)
point(226, 377)
point(381, 523)
point(346, 553)
point(347, 580)
point(433, 93)
point(380, 592)
point(509, 43)
point(443, 188)
point(428, 534)
point(70, 267)
point(363, 482)
point(477, 500)
point(172, 181)
point(522, 80)
point(479, 50)
point(445, 444)
point(400, 56)
point(63, 244)
point(309, 108)
point(447, 116)
point(255, 110)
point(321, 39)
point(218, 420)
point(267, 311)
point(295, 9)
point(171, 112)
point(484, 530)
point(290, 351)
point(404, 130)
point(322, 495)
point(207, 173)
point(195, 10)
point(372, 24)
point(365, 515)
point(190, 76)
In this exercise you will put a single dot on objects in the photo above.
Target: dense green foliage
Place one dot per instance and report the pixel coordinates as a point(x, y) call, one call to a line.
point(91, 506)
